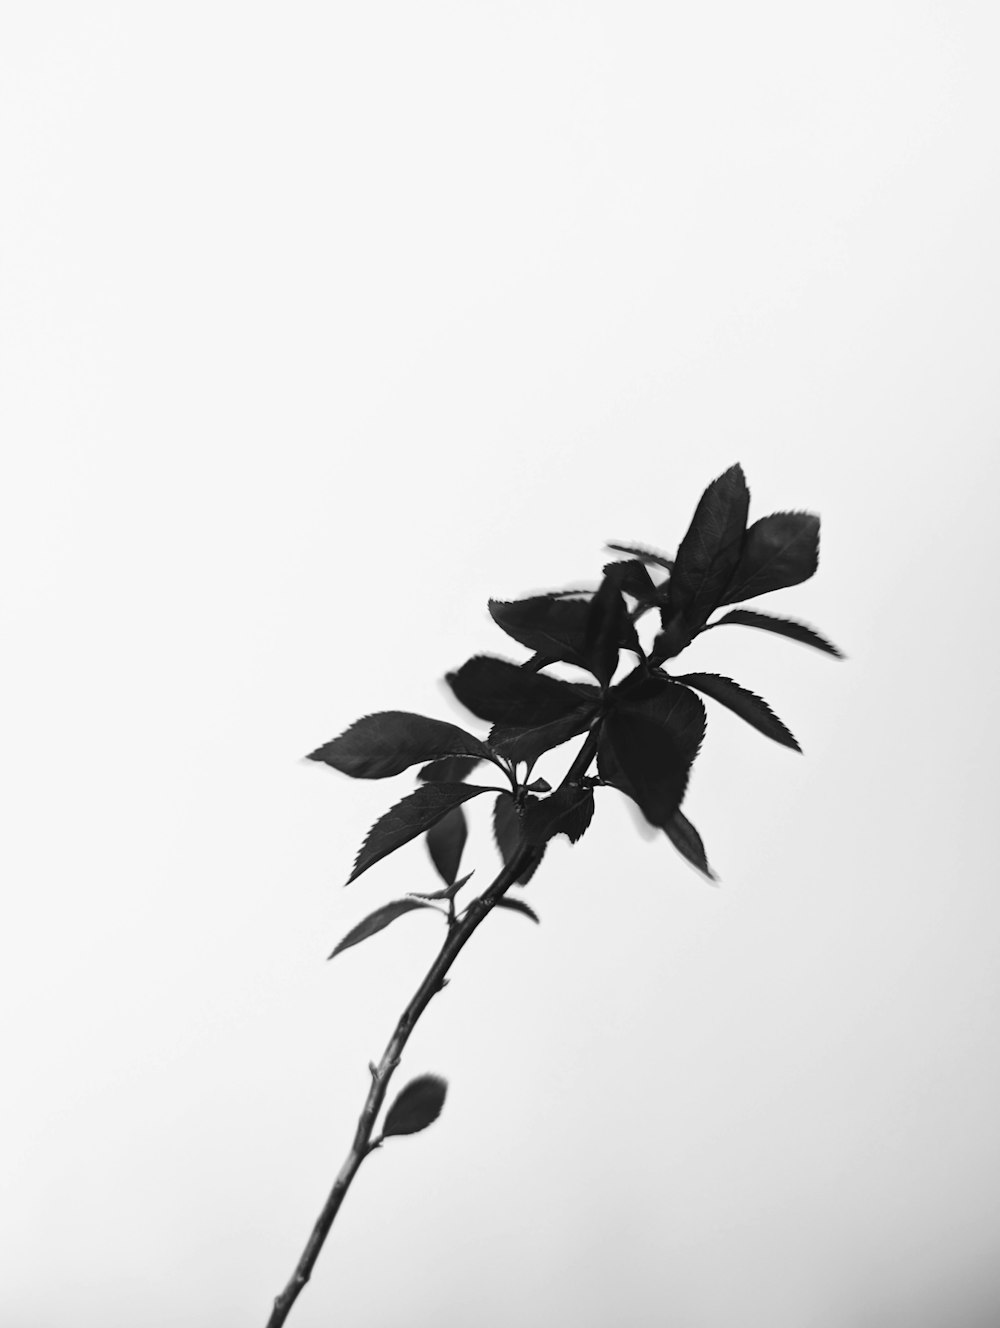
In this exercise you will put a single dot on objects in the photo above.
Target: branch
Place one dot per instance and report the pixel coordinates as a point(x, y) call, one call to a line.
point(381, 1074)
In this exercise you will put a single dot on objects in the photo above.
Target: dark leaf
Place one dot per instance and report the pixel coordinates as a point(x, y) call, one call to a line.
point(539, 786)
point(417, 1106)
point(568, 812)
point(450, 769)
point(608, 629)
point(409, 818)
point(518, 907)
point(675, 637)
point(554, 627)
point(644, 555)
point(528, 744)
point(392, 740)
point(710, 551)
point(374, 922)
point(511, 696)
point(508, 831)
point(780, 550)
point(633, 578)
point(687, 841)
point(445, 842)
point(648, 743)
point(741, 702)
point(782, 626)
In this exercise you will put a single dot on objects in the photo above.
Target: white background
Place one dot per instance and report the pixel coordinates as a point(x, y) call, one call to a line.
point(320, 325)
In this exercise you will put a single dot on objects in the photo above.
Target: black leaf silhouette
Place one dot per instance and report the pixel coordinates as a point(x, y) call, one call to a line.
point(389, 742)
point(417, 1106)
point(409, 818)
point(376, 921)
point(742, 702)
point(768, 622)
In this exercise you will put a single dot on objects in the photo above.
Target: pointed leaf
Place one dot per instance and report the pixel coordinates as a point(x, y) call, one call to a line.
point(409, 818)
point(528, 744)
point(445, 842)
point(554, 627)
point(608, 628)
point(508, 831)
point(741, 702)
point(375, 922)
point(568, 812)
point(518, 907)
point(644, 555)
point(687, 841)
point(633, 578)
point(417, 1106)
point(796, 631)
point(648, 744)
point(779, 550)
point(710, 551)
point(509, 695)
point(389, 742)
point(449, 769)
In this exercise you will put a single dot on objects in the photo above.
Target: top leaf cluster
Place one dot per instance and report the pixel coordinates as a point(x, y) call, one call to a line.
point(644, 731)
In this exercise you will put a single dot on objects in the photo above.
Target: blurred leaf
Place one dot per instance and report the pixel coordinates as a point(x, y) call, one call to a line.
point(780, 550)
point(445, 842)
point(449, 769)
point(554, 627)
point(568, 812)
point(608, 628)
point(528, 744)
point(648, 743)
point(710, 551)
point(633, 578)
point(508, 831)
point(511, 696)
point(417, 1106)
point(767, 622)
point(644, 555)
point(375, 922)
point(741, 702)
point(409, 818)
point(517, 906)
point(389, 742)
point(687, 841)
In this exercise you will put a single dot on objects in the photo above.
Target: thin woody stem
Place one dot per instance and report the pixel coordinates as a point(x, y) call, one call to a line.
point(363, 1144)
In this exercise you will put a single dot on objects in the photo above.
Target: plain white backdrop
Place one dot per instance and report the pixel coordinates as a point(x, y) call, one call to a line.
point(320, 325)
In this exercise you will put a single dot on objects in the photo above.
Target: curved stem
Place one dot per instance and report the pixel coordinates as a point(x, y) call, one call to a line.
point(381, 1074)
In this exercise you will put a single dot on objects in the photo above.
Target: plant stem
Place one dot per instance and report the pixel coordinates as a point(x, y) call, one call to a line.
point(382, 1073)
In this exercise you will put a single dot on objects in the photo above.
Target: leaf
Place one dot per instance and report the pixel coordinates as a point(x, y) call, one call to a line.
point(449, 769)
point(633, 578)
point(409, 818)
point(509, 695)
point(568, 812)
point(417, 1106)
point(780, 550)
point(608, 628)
point(710, 551)
point(518, 907)
point(528, 744)
point(375, 922)
point(554, 627)
point(389, 742)
point(741, 702)
point(781, 626)
point(649, 742)
point(445, 842)
point(508, 831)
point(643, 554)
point(687, 841)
